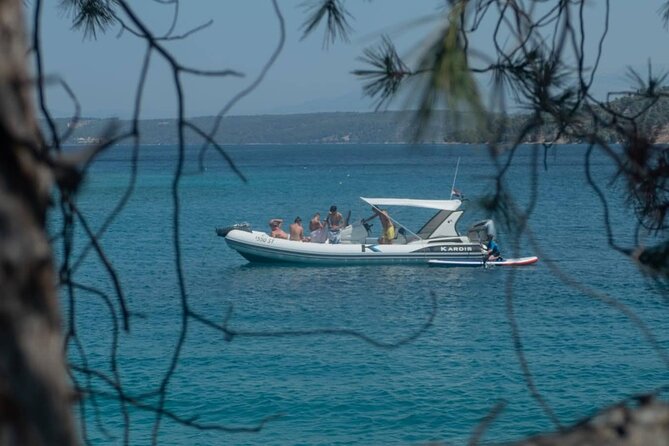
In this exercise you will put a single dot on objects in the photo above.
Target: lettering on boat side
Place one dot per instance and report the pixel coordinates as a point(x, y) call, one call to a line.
point(456, 249)
point(264, 239)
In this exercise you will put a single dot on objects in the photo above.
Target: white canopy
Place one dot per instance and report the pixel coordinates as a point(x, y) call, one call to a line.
point(445, 205)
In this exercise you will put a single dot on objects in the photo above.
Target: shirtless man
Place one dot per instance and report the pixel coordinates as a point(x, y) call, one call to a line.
point(316, 232)
point(275, 226)
point(297, 231)
point(334, 222)
point(315, 223)
point(388, 233)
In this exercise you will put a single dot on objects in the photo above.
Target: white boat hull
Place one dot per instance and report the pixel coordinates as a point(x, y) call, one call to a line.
point(257, 246)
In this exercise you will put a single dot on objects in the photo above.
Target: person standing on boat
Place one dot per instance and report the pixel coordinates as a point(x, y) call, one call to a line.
point(297, 231)
point(388, 233)
point(275, 227)
point(315, 223)
point(493, 250)
point(334, 222)
point(316, 232)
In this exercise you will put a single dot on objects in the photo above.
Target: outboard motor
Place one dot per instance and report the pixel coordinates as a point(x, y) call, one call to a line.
point(222, 232)
point(481, 231)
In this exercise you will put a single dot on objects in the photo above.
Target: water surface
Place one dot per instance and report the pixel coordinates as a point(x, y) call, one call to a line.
point(333, 389)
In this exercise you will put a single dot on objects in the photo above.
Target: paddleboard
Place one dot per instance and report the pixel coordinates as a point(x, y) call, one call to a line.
point(521, 261)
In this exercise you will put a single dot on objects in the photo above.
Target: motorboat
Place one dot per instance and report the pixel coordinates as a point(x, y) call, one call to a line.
point(438, 239)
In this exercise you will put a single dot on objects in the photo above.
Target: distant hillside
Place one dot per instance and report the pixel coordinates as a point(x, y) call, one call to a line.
point(342, 127)
point(345, 127)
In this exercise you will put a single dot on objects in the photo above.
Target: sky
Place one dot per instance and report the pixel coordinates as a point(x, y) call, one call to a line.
point(306, 78)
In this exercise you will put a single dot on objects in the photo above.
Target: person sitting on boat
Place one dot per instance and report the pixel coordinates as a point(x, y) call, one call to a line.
point(297, 231)
point(275, 227)
point(317, 233)
point(388, 233)
point(334, 221)
point(494, 254)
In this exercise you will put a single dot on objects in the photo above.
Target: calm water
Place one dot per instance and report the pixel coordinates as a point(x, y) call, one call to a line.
point(338, 389)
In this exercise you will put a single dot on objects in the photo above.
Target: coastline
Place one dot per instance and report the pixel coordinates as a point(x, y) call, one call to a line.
point(353, 128)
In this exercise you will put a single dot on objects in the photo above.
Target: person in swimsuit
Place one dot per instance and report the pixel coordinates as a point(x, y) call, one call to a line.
point(334, 222)
point(388, 231)
point(297, 231)
point(316, 232)
point(275, 228)
point(315, 223)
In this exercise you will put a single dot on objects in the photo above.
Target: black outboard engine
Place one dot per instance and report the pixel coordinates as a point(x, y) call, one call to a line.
point(481, 231)
point(222, 232)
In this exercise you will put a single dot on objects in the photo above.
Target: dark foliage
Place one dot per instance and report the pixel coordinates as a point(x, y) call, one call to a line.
point(386, 74)
point(91, 16)
point(336, 19)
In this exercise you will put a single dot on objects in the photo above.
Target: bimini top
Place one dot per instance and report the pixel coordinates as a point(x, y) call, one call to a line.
point(443, 205)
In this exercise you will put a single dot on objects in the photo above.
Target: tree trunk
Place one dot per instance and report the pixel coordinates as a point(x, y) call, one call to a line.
point(35, 396)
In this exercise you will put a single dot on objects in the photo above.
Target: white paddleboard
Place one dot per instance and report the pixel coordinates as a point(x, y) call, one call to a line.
point(521, 261)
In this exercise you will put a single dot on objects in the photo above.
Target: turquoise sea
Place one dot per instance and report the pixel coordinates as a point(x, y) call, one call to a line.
point(337, 389)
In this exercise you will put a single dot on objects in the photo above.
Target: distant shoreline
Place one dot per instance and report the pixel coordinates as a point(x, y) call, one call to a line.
point(389, 127)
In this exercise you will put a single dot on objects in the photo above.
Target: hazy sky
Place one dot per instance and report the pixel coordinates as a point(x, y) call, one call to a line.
point(306, 78)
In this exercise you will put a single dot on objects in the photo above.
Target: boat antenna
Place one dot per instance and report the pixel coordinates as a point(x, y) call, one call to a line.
point(454, 178)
